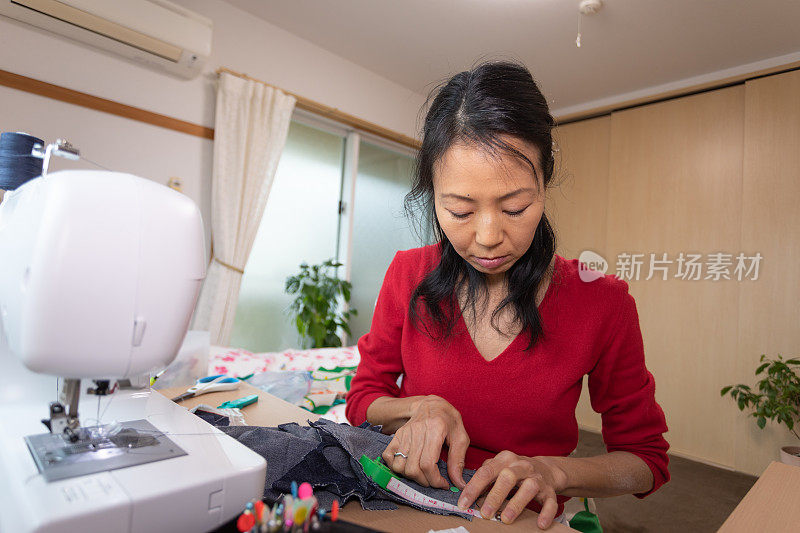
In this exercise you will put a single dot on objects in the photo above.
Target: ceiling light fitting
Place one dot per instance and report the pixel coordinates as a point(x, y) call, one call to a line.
point(586, 7)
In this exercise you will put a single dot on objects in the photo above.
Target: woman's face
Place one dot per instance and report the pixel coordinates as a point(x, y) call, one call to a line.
point(489, 204)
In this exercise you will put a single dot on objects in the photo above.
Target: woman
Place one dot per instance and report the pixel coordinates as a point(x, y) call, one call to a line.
point(493, 333)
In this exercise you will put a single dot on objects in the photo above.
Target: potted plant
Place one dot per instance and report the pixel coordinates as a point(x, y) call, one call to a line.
point(777, 399)
point(316, 309)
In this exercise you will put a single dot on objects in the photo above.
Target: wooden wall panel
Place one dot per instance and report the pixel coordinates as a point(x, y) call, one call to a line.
point(769, 308)
point(578, 205)
point(708, 173)
point(675, 185)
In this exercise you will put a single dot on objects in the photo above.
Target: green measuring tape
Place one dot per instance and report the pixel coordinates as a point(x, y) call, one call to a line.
point(377, 471)
point(380, 473)
point(387, 480)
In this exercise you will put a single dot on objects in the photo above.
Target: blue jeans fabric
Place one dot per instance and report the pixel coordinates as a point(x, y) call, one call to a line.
point(326, 455)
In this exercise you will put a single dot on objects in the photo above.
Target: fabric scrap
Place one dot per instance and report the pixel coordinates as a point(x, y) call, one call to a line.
point(326, 455)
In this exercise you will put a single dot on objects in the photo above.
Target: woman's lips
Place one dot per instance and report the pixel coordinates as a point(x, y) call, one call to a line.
point(491, 262)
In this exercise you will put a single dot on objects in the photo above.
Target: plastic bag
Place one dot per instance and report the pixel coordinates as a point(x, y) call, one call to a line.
point(291, 385)
point(235, 416)
point(189, 364)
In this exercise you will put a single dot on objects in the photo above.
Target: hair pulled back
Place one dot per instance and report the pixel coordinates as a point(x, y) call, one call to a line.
point(478, 108)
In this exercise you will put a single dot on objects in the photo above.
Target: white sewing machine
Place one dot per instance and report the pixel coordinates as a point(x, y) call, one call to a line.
point(99, 275)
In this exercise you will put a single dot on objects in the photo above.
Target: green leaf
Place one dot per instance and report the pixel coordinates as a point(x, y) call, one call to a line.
point(761, 368)
point(317, 308)
point(725, 390)
point(761, 422)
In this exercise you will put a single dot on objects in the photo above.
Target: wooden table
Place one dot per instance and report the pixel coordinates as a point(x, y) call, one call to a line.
point(270, 411)
point(772, 504)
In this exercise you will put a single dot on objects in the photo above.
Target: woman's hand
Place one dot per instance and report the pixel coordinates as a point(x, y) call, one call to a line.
point(434, 422)
point(535, 478)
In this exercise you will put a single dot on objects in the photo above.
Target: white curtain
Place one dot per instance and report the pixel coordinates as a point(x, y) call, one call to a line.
point(252, 121)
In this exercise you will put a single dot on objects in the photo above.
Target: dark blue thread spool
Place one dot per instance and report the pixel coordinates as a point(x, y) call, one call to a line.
point(17, 165)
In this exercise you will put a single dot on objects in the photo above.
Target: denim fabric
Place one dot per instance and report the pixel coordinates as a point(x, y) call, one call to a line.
point(213, 418)
point(326, 455)
point(282, 450)
point(368, 440)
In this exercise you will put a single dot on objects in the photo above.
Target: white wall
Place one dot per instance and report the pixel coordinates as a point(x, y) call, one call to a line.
point(241, 42)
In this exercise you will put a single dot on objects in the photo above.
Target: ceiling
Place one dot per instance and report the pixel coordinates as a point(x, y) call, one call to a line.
point(630, 45)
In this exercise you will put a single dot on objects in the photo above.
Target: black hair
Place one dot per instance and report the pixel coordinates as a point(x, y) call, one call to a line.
point(478, 107)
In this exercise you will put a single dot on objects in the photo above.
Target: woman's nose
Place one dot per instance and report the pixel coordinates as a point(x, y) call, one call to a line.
point(489, 232)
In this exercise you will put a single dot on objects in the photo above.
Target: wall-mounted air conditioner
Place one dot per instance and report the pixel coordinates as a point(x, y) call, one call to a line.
point(156, 32)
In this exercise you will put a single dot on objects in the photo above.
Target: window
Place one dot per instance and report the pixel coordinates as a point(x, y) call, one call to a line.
point(300, 223)
point(380, 226)
point(321, 169)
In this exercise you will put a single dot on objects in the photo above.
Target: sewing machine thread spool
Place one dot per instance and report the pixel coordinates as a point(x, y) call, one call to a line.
point(17, 165)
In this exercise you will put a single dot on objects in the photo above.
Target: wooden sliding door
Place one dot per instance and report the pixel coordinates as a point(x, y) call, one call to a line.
point(578, 204)
point(712, 175)
point(675, 187)
point(769, 308)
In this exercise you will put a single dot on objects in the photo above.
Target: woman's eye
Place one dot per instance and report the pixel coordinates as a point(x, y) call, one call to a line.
point(459, 215)
point(516, 213)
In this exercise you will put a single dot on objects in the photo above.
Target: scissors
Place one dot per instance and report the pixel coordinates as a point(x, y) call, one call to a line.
point(216, 383)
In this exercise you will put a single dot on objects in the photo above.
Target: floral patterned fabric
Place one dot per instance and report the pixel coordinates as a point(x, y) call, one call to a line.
point(239, 363)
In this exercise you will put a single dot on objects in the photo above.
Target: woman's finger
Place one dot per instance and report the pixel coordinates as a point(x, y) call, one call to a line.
point(506, 480)
point(412, 466)
point(482, 478)
point(400, 462)
point(527, 491)
point(458, 443)
point(393, 454)
point(549, 508)
point(430, 457)
point(388, 453)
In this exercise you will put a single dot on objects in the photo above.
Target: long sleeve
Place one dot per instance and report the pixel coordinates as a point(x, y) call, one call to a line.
point(381, 361)
point(623, 391)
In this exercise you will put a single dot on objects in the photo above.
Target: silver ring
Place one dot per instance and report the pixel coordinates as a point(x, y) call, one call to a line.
point(401, 454)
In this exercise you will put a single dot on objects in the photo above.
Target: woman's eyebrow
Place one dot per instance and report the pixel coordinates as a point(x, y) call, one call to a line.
point(456, 196)
point(514, 193)
point(468, 199)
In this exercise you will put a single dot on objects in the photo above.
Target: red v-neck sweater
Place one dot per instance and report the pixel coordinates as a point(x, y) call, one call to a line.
point(523, 400)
